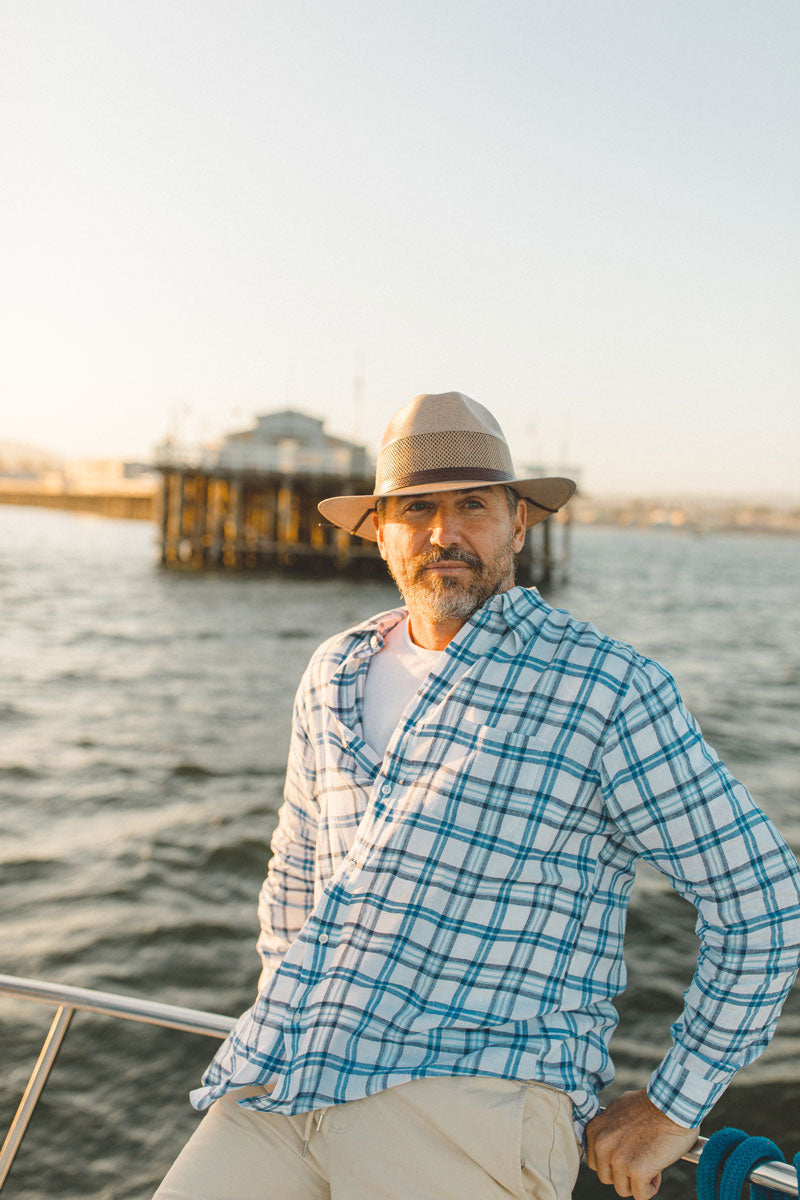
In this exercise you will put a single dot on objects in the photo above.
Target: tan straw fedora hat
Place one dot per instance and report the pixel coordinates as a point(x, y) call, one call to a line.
point(444, 442)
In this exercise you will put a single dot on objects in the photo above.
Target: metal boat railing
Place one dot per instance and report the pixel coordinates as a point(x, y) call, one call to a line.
point(68, 1000)
point(779, 1176)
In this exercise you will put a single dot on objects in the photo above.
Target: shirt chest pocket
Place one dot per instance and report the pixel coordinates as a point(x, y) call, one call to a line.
point(484, 779)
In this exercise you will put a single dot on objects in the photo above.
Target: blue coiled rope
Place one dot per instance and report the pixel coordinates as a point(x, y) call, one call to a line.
point(727, 1159)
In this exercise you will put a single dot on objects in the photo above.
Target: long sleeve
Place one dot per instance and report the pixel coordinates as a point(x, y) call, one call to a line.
point(675, 803)
point(287, 894)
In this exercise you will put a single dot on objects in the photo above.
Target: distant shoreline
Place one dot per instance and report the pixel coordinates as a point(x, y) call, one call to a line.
point(687, 515)
point(139, 503)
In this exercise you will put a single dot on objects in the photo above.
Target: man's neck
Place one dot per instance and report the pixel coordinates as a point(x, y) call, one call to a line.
point(433, 634)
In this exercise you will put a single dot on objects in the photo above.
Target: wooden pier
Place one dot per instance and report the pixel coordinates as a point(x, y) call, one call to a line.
point(250, 520)
point(130, 504)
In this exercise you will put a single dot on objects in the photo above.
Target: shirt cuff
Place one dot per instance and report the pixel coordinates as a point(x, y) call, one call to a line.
point(683, 1095)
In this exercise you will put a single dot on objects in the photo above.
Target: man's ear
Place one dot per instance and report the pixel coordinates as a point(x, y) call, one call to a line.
point(520, 517)
point(379, 534)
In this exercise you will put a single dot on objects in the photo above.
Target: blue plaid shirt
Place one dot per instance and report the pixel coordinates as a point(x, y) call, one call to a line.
point(459, 907)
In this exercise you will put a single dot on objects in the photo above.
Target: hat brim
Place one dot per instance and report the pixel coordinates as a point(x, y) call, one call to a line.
point(544, 496)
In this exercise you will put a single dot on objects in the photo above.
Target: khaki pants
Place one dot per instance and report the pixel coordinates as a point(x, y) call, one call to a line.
point(450, 1138)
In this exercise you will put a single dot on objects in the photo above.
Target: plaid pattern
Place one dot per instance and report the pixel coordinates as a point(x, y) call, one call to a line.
point(459, 907)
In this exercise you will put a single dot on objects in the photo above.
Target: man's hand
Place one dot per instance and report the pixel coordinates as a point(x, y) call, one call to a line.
point(631, 1143)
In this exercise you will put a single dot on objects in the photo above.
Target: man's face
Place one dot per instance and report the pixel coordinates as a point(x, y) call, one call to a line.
point(448, 552)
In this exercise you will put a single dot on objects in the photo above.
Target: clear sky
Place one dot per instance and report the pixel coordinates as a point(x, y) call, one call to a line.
point(583, 213)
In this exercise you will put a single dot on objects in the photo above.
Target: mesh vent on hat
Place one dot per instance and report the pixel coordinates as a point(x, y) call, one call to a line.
point(407, 459)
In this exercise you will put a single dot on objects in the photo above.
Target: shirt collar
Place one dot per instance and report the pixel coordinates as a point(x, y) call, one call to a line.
point(371, 635)
point(520, 611)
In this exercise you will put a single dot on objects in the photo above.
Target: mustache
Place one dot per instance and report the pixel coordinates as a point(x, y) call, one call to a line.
point(446, 554)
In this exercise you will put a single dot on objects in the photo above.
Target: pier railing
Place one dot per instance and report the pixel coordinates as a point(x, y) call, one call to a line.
point(67, 1000)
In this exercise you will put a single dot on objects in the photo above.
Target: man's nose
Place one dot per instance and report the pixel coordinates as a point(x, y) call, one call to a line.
point(444, 530)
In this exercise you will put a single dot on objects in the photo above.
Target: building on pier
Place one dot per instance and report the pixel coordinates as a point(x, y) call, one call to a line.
point(252, 504)
point(293, 443)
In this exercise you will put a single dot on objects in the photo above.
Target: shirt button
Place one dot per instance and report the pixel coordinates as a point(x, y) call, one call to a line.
point(374, 641)
point(323, 937)
point(386, 790)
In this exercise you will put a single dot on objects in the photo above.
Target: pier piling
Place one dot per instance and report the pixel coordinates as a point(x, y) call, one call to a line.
point(250, 520)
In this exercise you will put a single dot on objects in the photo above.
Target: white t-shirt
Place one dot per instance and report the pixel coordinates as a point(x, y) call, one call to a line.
point(395, 674)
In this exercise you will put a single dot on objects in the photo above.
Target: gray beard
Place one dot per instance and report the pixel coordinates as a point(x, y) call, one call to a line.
point(448, 599)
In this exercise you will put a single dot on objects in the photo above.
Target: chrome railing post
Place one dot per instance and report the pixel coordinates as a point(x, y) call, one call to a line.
point(30, 1098)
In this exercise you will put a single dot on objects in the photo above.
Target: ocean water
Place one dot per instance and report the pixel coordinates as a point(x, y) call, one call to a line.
point(144, 719)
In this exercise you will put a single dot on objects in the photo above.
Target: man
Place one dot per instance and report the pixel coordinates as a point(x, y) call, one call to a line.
point(470, 782)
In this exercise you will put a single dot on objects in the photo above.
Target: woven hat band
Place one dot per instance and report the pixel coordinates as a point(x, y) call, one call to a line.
point(442, 456)
point(444, 475)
